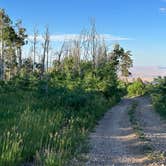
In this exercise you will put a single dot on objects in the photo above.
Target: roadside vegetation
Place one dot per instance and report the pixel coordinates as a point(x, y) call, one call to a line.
point(48, 107)
point(136, 88)
point(156, 90)
point(46, 129)
point(158, 94)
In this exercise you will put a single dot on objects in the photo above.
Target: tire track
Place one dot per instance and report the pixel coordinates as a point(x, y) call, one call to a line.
point(114, 142)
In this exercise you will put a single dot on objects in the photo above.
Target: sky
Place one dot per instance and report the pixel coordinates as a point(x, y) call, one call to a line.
point(138, 25)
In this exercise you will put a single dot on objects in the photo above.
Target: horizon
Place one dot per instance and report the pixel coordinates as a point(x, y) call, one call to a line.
point(138, 26)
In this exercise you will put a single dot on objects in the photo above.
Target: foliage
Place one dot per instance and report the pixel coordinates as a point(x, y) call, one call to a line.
point(52, 128)
point(122, 59)
point(122, 87)
point(159, 95)
point(137, 88)
point(12, 38)
point(47, 111)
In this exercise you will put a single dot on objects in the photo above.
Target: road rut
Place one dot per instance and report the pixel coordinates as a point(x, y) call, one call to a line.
point(114, 143)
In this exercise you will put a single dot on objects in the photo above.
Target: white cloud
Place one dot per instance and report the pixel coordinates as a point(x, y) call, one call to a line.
point(113, 38)
point(68, 37)
point(163, 9)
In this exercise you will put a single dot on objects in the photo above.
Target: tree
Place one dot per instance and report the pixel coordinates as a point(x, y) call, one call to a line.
point(10, 53)
point(35, 35)
point(45, 45)
point(122, 59)
point(20, 42)
point(126, 64)
point(5, 23)
point(12, 38)
point(93, 42)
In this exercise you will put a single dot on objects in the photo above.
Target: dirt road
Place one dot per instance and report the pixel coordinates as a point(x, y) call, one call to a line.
point(114, 142)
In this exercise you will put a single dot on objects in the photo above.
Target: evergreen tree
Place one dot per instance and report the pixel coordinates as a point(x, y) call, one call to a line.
point(122, 60)
point(5, 24)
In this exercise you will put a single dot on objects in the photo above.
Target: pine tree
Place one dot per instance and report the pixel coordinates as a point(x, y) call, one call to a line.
point(5, 24)
point(20, 42)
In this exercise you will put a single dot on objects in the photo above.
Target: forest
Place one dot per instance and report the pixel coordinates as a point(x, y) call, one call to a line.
point(49, 107)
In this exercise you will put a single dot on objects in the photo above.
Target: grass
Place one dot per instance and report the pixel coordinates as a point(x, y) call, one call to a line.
point(157, 156)
point(46, 129)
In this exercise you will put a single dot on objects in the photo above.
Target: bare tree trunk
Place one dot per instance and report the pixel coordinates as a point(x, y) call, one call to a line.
point(34, 47)
point(60, 54)
point(93, 42)
point(2, 50)
point(47, 53)
point(20, 57)
point(43, 59)
point(45, 50)
point(76, 55)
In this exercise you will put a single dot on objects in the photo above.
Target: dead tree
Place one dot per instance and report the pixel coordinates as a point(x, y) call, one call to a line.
point(1, 45)
point(35, 35)
point(93, 42)
point(76, 53)
point(45, 45)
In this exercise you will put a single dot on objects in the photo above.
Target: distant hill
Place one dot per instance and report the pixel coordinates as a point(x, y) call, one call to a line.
point(147, 73)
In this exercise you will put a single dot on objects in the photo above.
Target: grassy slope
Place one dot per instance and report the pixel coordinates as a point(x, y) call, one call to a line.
point(52, 128)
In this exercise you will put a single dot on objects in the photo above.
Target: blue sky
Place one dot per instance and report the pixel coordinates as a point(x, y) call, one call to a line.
point(143, 21)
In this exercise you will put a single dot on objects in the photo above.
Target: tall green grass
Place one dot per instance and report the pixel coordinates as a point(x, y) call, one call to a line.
point(46, 129)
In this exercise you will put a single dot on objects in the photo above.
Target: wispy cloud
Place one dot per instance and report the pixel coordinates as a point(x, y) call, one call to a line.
point(163, 9)
point(68, 37)
point(110, 37)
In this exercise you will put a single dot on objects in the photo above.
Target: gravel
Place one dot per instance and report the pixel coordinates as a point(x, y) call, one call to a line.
point(114, 142)
point(154, 127)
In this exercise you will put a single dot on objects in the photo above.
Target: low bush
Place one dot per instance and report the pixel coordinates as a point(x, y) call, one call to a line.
point(137, 88)
point(158, 94)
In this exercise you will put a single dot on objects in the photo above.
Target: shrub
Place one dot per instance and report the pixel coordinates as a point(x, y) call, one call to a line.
point(137, 88)
point(159, 95)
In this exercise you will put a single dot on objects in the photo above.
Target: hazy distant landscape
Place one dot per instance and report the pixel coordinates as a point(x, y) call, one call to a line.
point(147, 73)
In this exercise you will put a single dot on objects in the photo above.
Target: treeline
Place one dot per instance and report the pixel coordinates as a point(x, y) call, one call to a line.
point(12, 38)
point(48, 109)
point(88, 52)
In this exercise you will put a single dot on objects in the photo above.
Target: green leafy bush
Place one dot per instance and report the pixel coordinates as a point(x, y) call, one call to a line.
point(158, 93)
point(137, 88)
